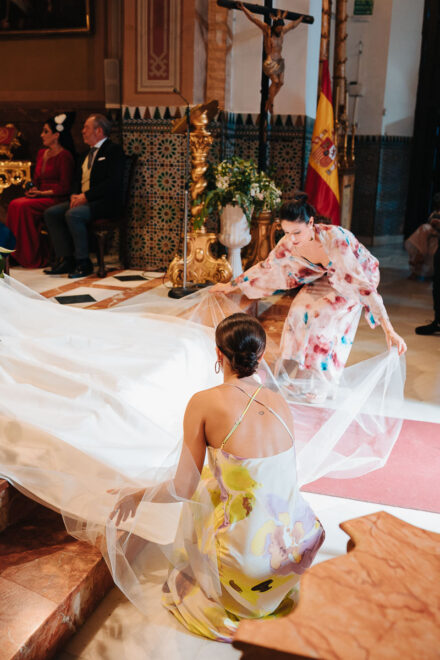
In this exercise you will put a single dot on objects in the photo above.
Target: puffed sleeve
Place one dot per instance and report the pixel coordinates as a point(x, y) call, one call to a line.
point(277, 272)
point(66, 165)
point(354, 272)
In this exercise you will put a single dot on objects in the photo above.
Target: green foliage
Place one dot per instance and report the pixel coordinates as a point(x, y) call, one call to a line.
point(237, 182)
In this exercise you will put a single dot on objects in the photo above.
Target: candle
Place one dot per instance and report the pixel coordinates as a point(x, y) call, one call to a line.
point(337, 100)
point(355, 105)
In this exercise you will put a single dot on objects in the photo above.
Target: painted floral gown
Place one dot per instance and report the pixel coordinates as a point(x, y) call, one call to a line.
point(261, 535)
point(322, 321)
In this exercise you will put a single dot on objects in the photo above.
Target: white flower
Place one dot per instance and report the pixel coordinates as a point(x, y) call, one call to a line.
point(59, 119)
point(222, 182)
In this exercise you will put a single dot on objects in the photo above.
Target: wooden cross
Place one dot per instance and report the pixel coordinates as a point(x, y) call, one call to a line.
point(273, 67)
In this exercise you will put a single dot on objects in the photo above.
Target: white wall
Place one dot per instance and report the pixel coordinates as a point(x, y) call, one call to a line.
point(200, 36)
point(391, 40)
point(313, 46)
point(389, 67)
point(301, 54)
point(374, 32)
point(403, 67)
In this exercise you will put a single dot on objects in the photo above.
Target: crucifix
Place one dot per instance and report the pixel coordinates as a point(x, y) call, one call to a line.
point(273, 29)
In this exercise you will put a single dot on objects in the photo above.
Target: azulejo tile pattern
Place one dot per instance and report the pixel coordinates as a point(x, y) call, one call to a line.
point(155, 216)
point(382, 176)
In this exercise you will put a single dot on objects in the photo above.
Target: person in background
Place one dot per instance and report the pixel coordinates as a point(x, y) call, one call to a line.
point(433, 328)
point(97, 193)
point(423, 243)
point(51, 184)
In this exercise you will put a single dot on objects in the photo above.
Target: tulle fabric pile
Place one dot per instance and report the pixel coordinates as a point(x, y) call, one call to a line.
point(93, 402)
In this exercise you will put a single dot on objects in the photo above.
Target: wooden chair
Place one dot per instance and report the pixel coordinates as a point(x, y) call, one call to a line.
point(101, 227)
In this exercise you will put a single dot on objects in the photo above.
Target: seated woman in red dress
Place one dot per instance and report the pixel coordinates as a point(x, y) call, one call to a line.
point(51, 185)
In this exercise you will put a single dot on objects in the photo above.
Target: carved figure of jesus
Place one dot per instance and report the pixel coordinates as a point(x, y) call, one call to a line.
point(273, 37)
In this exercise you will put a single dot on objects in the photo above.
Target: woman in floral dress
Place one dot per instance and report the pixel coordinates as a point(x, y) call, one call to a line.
point(337, 278)
point(242, 556)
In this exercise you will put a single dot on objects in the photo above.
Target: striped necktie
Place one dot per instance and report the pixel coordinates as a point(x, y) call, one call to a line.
point(90, 157)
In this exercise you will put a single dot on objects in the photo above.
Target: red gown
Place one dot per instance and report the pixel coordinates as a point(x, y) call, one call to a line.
point(25, 214)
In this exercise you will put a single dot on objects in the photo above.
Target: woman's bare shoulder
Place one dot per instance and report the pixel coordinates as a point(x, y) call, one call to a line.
point(204, 396)
point(279, 404)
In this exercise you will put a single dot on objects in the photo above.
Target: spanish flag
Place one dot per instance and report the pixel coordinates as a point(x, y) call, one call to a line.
point(322, 183)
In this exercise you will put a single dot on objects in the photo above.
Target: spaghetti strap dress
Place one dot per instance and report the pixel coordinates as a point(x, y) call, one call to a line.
point(264, 537)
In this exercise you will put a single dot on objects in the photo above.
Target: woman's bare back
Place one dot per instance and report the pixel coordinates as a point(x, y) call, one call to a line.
point(260, 433)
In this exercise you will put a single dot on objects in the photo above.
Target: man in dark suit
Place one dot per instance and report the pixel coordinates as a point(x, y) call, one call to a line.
point(97, 193)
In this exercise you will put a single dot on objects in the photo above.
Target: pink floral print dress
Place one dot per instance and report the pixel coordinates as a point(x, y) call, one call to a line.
point(319, 329)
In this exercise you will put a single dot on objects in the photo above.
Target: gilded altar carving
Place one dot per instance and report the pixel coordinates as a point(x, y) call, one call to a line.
point(14, 173)
point(261, 243)
point(201, 263)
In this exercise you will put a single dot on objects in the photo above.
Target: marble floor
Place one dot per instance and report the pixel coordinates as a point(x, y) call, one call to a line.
point(117, 630)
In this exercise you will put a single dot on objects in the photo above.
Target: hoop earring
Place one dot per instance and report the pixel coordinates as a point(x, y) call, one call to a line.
point(217, 367)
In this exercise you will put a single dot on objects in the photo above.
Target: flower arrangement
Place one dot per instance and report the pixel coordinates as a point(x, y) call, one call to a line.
point(238, 182)
point(266, 194)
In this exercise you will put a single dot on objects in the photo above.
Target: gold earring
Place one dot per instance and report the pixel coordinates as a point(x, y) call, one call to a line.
point(217, 367)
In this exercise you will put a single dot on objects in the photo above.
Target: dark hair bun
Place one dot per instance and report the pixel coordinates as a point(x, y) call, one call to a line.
point(298, 210)
point(242, 339)
point(245, 364)
point(300, 197)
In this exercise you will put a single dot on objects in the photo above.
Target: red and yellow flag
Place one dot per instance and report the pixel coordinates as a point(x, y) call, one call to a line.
point(322, 184)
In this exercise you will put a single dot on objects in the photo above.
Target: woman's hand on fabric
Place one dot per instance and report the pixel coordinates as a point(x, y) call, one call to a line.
point(127, 504)
point(220, 287)
point(393, 339)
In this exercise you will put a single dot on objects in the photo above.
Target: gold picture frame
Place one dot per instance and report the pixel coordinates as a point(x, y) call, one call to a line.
point(30, 18)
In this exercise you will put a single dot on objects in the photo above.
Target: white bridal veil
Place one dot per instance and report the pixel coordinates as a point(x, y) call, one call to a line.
point(93, 401)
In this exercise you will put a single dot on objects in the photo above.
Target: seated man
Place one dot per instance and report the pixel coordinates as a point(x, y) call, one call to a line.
point(97, 194)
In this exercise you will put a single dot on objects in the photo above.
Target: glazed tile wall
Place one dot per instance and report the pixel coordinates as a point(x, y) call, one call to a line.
point(154, 223)
point(392, 189)
point(381, 188)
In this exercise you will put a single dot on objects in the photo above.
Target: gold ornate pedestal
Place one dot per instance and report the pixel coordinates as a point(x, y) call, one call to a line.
point(202, 266)
point(14, 172)
point(260, 245)
point(201, 263)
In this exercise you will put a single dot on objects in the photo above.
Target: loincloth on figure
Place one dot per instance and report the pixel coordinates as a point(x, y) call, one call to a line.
point(273, 67)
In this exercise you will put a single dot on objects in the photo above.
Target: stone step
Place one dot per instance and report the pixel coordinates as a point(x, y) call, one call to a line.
point(49, 584)
point(13, 505)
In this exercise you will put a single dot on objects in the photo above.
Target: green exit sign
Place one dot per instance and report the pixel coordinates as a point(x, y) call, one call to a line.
point(363, 7)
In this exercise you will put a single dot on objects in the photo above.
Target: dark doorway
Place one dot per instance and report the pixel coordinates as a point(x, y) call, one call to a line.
point(424, 178)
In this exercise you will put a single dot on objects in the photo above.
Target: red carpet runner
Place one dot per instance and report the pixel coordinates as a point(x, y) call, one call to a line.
point(410, 479)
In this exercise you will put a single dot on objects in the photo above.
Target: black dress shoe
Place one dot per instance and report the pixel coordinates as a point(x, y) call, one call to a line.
point(83, 268)
point(430, 329)
point(64, 265)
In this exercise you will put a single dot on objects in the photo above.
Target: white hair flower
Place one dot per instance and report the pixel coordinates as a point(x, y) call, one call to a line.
point(59, 119)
